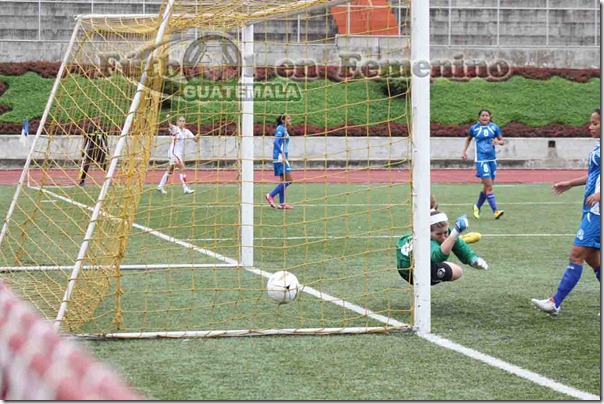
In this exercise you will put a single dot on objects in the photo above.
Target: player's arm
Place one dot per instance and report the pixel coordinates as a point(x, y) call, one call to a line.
point(464, 155)
point(563, 186)
point(594, 198)
point(279, 141)
point(498, 140)
point(461, 224)
point(190, 135)
point(171, 127)
point(468, 256)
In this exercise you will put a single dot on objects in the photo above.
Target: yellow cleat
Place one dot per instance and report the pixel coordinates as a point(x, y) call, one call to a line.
point(498, 214)
point(476, 212)
point(470, 238)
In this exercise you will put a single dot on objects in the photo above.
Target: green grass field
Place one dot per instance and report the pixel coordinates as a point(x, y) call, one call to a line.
point(488, 311)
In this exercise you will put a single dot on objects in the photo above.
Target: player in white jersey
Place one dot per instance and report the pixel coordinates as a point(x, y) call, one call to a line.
point(586, 246)
point(179, 135)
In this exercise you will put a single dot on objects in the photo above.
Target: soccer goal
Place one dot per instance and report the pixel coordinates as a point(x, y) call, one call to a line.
point(98, 249)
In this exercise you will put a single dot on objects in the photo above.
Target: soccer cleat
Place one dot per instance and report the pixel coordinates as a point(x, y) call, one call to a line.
point(82, 183)
point(497, 214)
point(285, 206)
point(546, 305)
point(270, 200)
point(470, 238)
point(189, 191)
point(476, 212)
point(162, 190)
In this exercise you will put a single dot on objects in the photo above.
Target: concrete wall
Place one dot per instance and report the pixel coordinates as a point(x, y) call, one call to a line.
point(543, 33)
point(335, 151)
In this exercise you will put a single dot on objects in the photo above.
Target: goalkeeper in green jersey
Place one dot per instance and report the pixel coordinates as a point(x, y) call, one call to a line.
point(443, 242)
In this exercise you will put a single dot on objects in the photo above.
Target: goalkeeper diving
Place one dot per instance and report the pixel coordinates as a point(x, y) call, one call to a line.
point(443, 242)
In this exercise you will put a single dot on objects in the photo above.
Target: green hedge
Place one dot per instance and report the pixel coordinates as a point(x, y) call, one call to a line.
point(358, 103)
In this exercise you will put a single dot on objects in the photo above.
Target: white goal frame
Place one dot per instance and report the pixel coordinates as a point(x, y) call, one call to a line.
point(420, 137)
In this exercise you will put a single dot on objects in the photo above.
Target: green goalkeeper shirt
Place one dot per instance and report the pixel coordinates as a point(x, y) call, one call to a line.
point(404, 249)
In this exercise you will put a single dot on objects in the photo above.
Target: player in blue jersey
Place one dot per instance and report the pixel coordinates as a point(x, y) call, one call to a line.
point(280, 162)
point(586, 246)
point(487, 135)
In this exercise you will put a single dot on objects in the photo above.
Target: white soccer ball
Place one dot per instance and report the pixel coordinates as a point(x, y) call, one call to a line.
point(282, 287)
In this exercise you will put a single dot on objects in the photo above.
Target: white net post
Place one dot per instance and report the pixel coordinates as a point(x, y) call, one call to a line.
point(420, 135)
point(247, 147)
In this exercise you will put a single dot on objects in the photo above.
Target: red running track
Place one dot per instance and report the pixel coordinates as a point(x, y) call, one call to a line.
point(336, 176)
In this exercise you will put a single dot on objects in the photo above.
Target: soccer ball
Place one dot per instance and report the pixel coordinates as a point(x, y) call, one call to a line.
point(282, 287)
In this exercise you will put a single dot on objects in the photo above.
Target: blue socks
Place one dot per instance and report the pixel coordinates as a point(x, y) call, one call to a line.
point(481, 198)
point(280, 190)
point(492, 203)
point(569, 280)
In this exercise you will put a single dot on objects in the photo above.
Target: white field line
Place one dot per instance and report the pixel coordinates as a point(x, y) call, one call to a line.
point(337, 205)
point(443, 342)
point(395, 237)
point(513, 369)
point(156, 233)
point(122, 267)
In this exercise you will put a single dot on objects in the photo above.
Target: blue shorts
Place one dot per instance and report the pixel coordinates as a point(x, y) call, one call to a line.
point(589, 231)
point(279, 169)
point(486, 169)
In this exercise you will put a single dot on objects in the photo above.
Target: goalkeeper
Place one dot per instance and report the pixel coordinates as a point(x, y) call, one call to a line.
point(94, 149)
point(443, 241)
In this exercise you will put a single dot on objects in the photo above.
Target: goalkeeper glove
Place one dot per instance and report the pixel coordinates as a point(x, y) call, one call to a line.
point(461, 224)
point(479, 263)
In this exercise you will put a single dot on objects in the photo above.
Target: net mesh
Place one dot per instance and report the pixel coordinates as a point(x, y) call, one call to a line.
point(122, 257)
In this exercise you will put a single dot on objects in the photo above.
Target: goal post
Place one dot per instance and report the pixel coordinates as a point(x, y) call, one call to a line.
point(420, 133)
point(102, 252)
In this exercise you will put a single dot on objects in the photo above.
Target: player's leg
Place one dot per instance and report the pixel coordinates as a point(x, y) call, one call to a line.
point(593, 260)
point(445, 272)
point(183, 177)
point(482, 172)
point(84, 170)
point(287, 179)
point(86, 160)
point(279, 171)
point(585, 241)
point(488, 189)
point(571, 275)
point(164, 178)
point(592, 256)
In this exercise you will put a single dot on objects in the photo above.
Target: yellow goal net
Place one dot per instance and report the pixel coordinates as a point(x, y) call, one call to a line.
point(149, 204)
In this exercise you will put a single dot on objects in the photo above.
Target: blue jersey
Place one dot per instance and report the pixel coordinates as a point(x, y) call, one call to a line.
point(280, 144)
point(484, 135)
point(592, 185)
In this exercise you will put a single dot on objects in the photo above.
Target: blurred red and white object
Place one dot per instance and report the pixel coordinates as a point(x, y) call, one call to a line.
point(38, 364)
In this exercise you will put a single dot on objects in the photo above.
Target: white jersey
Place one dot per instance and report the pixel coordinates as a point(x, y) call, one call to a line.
point(177, 146)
